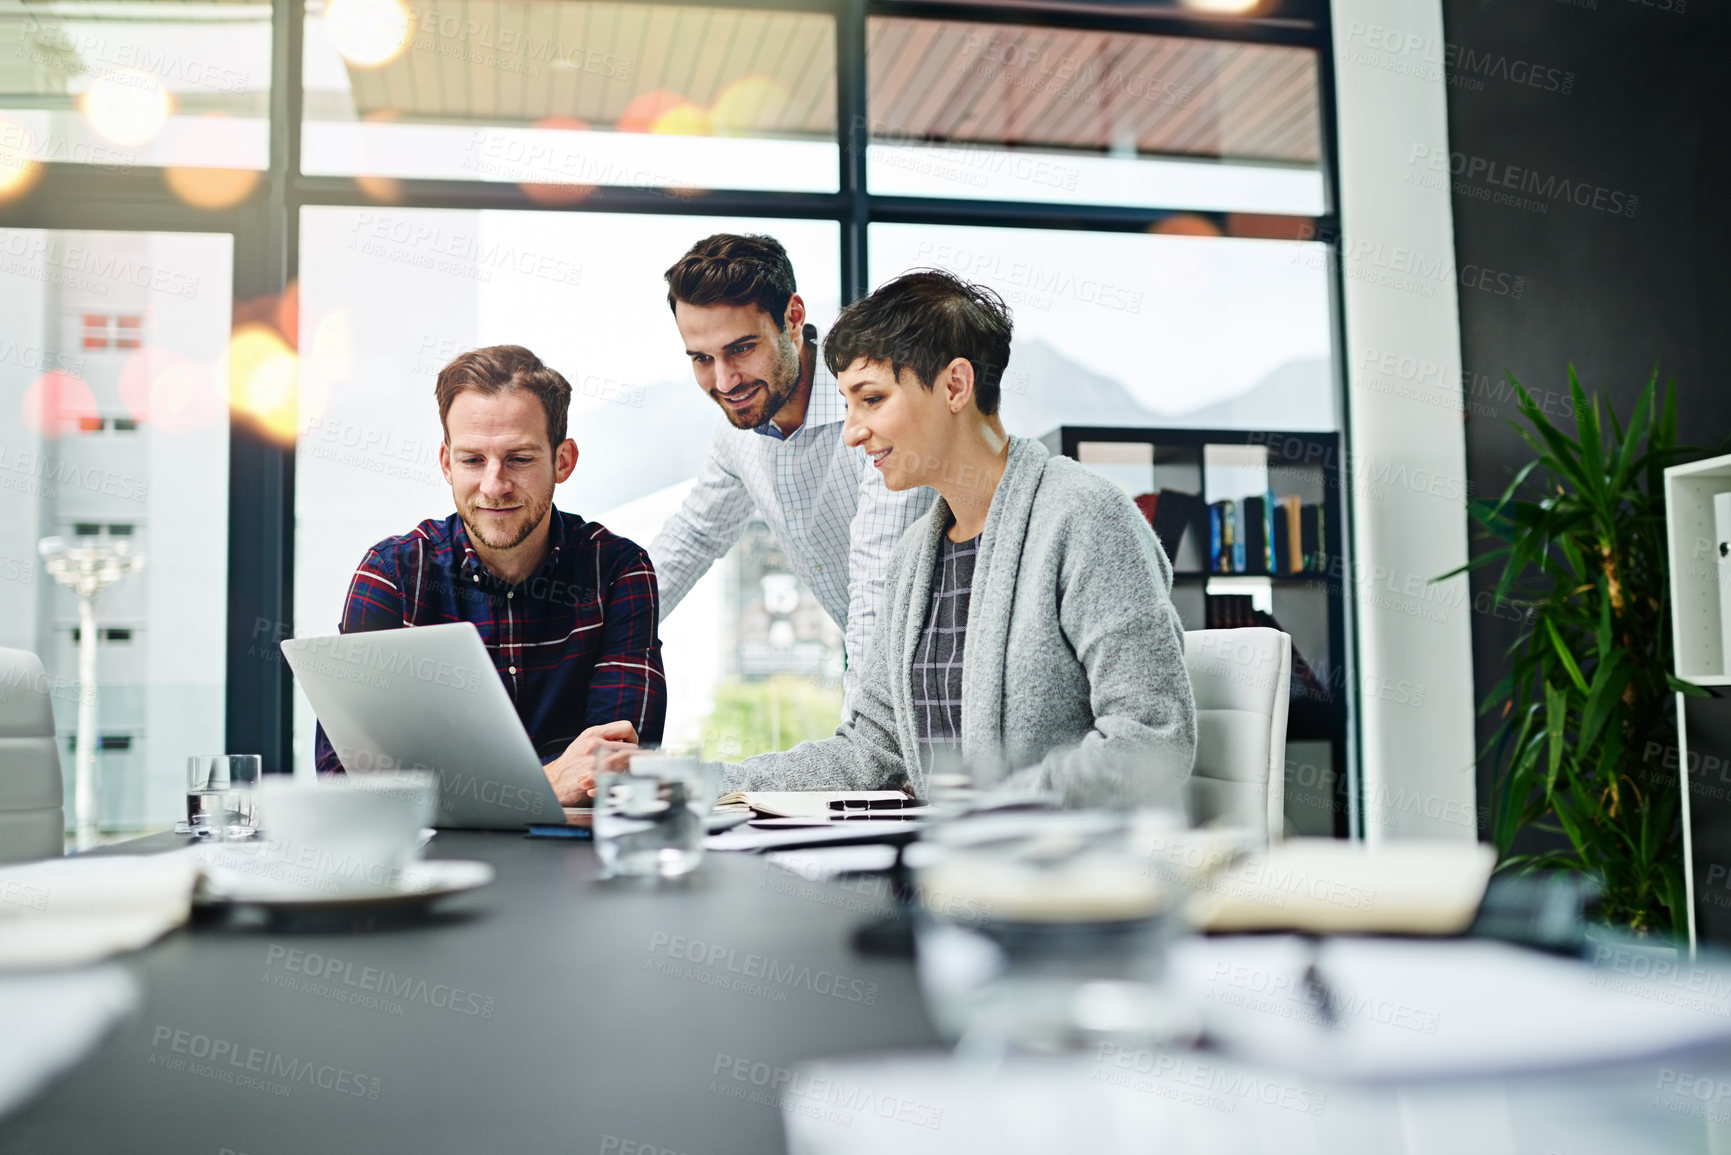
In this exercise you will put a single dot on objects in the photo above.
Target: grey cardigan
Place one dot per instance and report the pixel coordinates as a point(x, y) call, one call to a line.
point(1074, 663)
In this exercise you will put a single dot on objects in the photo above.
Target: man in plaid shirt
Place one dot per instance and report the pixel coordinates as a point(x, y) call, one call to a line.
point(781, 453)
point(567, 610)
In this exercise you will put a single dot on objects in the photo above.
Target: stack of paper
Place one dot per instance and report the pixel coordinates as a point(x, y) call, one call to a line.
point(1327, 886)
point(71, 911)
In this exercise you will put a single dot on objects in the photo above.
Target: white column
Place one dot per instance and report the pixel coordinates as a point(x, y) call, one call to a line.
point(86, 804)
point(1407, 461)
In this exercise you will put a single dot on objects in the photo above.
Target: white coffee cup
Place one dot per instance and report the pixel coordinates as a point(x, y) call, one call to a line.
point(342, 837)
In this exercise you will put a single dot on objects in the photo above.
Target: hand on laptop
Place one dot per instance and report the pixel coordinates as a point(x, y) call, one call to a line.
point(601, 747)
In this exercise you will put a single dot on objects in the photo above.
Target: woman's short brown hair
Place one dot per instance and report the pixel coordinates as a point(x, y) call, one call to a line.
point(922, 321)
point(730, 269)
point(500, 367)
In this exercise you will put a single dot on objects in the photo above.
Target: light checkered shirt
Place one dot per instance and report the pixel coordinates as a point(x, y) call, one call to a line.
point(824, 503)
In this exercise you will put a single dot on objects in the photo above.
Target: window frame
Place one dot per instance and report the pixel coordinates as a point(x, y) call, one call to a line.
point(265, 228)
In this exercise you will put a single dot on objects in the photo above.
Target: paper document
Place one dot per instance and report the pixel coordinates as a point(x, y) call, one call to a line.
point(803, 803)
point(1405, 1009)
point(1333, 887)
point(72, 911)
point(831, 834)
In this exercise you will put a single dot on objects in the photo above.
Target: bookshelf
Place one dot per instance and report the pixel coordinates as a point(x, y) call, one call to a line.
point(1291, 573)
point(1701, 653)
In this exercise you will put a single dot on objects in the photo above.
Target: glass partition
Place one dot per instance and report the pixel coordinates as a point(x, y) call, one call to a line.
point(114, 434)
point(389, 296)
point(130, 83)
point(1144, 330)
point(562, 96)
point(1014, 112)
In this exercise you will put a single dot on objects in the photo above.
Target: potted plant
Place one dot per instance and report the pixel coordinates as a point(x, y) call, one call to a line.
point(1589, 691)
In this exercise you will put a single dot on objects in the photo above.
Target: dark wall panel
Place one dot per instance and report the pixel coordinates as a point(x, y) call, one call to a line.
point(1590, 146)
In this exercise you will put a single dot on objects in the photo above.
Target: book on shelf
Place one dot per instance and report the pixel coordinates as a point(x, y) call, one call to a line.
point(1222, 532)
point(1255, 534)
point(1313, 538)
point(1238, 537)
point(1170, 512)
point(1288, 553)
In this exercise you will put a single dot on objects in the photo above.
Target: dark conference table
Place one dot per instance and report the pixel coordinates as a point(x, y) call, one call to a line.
point(552, 1013)
point(549, 1012)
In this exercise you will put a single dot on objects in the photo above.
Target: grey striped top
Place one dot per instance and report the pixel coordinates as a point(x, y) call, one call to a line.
point(937, 680)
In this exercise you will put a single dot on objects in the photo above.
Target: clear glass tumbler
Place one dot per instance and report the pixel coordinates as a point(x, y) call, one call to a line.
point(649, 820)
point(1047, 933)
point(219, 796)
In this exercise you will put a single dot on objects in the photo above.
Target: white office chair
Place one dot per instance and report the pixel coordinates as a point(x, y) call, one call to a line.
point(32, 806)
point(1241, 680)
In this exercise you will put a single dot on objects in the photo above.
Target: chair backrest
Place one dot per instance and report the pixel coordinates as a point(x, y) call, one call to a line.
point(1242, 682)
point(32, 805)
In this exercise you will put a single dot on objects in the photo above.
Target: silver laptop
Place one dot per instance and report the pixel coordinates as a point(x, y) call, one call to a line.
point(428, 698)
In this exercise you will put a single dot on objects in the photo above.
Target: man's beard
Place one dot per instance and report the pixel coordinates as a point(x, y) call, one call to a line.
point(533, 514)
point(775, 393)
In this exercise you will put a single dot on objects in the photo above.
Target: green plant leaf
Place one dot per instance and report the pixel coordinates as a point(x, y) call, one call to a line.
point(1687, 689)
point(1567, 658)
point(1586, 681)
point(1608, 681)
point(1556, 706)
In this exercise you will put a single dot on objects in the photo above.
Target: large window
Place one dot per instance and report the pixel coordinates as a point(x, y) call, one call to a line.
point(129, 83)
point(561, 96)
point(114, 371)
point(388, 297)
point(334, 197)
point(1202, 332)
point(1013, 112)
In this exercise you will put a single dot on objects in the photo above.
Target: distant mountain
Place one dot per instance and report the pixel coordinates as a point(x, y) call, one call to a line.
point(630, 450)
point(1044, 389)
point(1296, 396)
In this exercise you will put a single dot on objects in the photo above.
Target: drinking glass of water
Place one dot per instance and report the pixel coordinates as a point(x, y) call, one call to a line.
point(649, 819)
point(219, 796)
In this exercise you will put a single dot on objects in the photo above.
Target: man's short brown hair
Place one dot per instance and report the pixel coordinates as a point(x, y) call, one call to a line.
point(730, 269)
point(500, 367)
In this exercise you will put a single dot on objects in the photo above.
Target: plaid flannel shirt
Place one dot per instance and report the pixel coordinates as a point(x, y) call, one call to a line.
point(575, 644)
point(825, 504)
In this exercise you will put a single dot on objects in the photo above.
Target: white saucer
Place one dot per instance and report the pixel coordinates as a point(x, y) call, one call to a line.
point(419, 883)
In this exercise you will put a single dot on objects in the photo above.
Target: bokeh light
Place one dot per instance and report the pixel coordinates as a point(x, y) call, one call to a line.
point(170, 391)
point(369, 33)
point(18, 169)
point(57, 403)
point(559, 193)
point(328, 362)
point(1185, 225)
point(750, 104)
point(380, 189)
point(213, 188)
point(263, 375)
point(643, 110)
point(127, 106)
point(1223, 7)
point(683, 119)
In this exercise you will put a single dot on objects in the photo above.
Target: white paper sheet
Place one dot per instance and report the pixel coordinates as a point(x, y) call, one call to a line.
point(71, 911)
point(1409, 1009)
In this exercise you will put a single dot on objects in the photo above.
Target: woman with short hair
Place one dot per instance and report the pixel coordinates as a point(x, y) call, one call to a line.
point(1027, 615)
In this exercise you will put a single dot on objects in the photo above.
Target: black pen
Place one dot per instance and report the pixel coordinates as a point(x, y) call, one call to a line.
point(873, 803)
